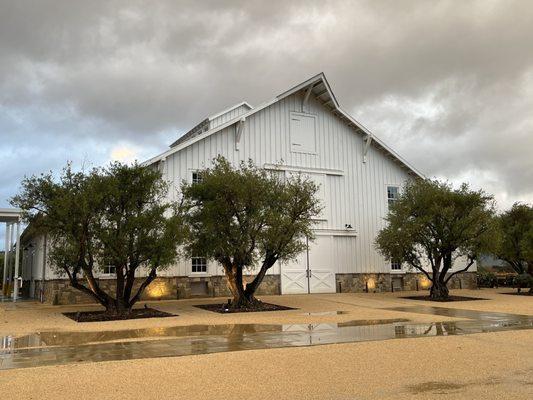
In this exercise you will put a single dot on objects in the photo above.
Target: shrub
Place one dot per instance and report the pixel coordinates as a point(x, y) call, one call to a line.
point(524, 281)
point(509, 281)
point(486, 279)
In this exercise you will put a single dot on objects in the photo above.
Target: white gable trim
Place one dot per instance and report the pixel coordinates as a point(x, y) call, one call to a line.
point(227, 110)
point(283, 167)
point(320, 78)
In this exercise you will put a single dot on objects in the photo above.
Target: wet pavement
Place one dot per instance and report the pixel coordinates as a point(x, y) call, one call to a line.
point(326, 313)
point(53, 348)
point(460, 313)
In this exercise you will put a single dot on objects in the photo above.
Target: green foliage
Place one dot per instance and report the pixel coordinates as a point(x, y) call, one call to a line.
point(486, 279)
point(524, 281)
point(246, 216)
point(116, 215)
point(515, 239)
point(434, 224)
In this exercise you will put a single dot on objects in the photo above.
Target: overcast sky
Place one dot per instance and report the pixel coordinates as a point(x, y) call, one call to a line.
point(447, 84)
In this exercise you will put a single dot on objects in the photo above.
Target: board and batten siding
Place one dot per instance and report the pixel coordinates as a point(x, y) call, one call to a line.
point(227, 116)
point(356, 192)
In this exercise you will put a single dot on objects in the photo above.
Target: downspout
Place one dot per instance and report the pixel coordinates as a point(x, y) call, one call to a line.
point(43, 272)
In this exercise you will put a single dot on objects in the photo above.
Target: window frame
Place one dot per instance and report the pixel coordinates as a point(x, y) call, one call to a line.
point(390, 200)
point(198, 179)
point(192, 266)
point(392, 263)
point(109, 274)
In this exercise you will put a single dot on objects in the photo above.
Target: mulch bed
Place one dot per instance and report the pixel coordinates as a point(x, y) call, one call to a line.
point(449, 299)
point(97, 316)
point(222, 308)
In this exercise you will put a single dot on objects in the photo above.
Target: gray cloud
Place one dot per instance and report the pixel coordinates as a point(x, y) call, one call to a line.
point(448, 84)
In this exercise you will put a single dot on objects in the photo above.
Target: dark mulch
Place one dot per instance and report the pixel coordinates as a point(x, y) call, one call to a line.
point(223, 308)
point(451, 298)
point(96, 316)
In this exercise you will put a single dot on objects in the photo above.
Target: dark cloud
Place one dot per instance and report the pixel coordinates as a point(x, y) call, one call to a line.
point(449, 84)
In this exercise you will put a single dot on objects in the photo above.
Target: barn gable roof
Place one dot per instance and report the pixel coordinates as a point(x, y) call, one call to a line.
point(205, 125)
point(319, 87)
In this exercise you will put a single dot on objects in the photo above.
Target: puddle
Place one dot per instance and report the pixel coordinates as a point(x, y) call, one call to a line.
point(325, 313)
point(54, 348)
point(58, 338)
point(460, 313)
point(436, 387)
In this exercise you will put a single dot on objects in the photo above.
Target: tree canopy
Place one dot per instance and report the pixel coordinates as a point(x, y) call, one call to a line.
point(432, 225)
point(245, 217)
point(116, 216)
point(515, 241)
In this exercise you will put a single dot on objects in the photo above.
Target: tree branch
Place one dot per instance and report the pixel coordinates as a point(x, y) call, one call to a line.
point(418, 267)
point(461, 270)
point(151, 276)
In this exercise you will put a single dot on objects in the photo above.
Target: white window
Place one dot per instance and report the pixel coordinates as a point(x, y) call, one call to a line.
point(199, 264)
point(196, 177)
point(109, 270)
point(303, 133)
point(393, 192)
point(395, 266)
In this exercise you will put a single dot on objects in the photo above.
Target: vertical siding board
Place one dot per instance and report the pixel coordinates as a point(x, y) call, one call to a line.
point(358, 197)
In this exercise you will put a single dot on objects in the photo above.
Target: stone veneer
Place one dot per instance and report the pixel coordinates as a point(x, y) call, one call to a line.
point(350, 283)
point(59, 291)
point(183, 287)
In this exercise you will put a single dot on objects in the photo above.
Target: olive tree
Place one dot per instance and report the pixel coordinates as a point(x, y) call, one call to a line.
point(432, 225)
point(515, 244)
point(116, 216)
point(244, 218)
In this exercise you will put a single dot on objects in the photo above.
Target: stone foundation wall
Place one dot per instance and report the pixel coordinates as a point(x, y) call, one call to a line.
point(183, 287)
point(375, 283)
point(59, 291)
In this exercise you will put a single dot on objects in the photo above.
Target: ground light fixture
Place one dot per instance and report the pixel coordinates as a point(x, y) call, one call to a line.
point(370, 284)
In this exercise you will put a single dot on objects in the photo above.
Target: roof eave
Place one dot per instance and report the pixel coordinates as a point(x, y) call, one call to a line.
point(310, 83)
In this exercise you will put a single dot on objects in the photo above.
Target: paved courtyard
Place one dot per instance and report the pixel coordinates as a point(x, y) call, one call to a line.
point(330, 346)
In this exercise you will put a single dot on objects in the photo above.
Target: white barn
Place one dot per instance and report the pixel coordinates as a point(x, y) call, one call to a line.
point(303, 129)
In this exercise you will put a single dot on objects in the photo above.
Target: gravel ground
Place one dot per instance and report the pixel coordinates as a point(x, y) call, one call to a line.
point(479, 366)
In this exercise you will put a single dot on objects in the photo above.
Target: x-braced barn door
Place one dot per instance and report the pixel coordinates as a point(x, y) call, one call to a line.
point(312, 272)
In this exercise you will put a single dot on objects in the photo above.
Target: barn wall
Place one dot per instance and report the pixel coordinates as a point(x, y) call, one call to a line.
point(357, 196)
point(229, 115)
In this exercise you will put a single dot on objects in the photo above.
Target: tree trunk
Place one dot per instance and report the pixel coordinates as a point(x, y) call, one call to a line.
point(120, 306)
point(439, 290)
point(240, 299)
point(252, 287)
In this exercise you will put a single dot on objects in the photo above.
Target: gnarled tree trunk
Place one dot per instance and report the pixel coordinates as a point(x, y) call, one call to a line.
point(123, 301)
point(439, 290)
point(234, 278)
point(244, 296)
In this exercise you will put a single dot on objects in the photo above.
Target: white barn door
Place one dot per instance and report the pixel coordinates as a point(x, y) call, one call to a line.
point(294, 276)
point(312, 272)
point(321, 271)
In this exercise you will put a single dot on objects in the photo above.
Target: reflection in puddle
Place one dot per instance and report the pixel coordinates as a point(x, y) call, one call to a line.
point(73, 347)
point(459, 313)
point(325, 313)
point(46, 339)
